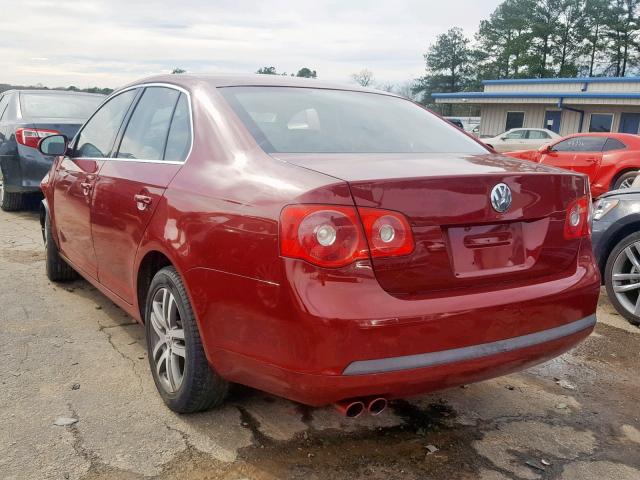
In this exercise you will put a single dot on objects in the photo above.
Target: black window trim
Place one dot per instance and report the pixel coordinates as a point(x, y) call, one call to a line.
point(125, 121)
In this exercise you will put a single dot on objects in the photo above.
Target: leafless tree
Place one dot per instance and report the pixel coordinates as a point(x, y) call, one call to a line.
point(364, 77)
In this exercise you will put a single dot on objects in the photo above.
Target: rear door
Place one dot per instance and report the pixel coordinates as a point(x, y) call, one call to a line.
point(536, 138)
point(75, 178)
point(151, 149)
point(581, 154)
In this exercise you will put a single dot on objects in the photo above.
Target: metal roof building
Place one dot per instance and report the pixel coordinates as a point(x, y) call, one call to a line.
point(564, 105)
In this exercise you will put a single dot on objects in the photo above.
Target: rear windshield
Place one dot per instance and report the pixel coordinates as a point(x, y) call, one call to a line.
point(50, 105)
point(310, 120)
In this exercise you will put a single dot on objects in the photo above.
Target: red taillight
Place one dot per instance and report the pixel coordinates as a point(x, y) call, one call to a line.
point(29, 137)
point(577, 222)
point(332, 235)
point(388, 233)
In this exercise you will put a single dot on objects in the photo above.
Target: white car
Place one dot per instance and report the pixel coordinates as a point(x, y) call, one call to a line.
point(520, 139)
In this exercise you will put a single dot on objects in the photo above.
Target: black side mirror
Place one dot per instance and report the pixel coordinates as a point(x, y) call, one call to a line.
point(53, 145)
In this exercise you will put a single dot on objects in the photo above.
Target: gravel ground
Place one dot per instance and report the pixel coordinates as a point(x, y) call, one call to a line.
point(68, 352)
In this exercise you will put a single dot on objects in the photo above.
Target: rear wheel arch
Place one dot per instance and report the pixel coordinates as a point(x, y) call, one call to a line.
point(152, 262)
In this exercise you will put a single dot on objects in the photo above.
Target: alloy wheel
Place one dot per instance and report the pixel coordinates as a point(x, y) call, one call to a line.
point(626, 183)
point(168, 352)
point(625, 278)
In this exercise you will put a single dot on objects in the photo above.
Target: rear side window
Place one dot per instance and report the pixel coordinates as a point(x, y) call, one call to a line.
point(146, 134)
point(538, 135)
point(4, 101)
point(613, 144)
point(61, 105)
point(179, 139)
point(580, 144)
point(97, 136)
point(312, 120)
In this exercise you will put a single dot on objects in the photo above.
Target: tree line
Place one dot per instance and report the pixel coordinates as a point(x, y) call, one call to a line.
point(537, 39)
point(5, 86)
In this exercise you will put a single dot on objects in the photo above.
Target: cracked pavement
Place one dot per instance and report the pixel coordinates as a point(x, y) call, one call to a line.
point(523, 426)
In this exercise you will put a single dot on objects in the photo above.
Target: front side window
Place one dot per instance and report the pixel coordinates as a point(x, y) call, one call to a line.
point(538, 135)
point(58, 105)
point(517, 135)
point(600, 122)
point(146, 133)
point(312, 120)
point(514, 120)
point(580, 144)
point(97, 137)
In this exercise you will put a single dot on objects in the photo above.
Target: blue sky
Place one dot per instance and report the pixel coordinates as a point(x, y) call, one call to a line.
point(112, 42)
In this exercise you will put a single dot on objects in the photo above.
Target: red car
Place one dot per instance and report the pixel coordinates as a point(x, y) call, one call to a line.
point(611, 160)
point(322, 243)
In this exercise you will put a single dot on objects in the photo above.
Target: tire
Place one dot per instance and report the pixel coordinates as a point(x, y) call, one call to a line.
point(10, 201)
point(177, 360)
point(619, 262)
point(624, 181)
point(57, 269)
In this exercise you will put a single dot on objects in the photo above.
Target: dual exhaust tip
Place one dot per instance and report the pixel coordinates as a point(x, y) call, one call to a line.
point(355, 408)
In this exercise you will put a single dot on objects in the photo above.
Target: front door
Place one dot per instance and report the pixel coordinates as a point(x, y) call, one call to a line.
point(131, 185)
point(75, 180)
point(630, 123)
point(552, 120)
point(581, 154)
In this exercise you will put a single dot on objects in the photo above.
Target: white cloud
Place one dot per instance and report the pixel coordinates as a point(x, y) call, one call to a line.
point(112, 42)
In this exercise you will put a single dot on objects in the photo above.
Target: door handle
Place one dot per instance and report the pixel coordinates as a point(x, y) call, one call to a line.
point(142, 201)
point(86, 188)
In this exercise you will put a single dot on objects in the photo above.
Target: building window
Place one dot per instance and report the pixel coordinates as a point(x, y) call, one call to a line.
point(514, 120)
point(600, 122)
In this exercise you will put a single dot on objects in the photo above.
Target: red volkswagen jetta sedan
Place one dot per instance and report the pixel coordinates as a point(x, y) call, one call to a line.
point(322, 243)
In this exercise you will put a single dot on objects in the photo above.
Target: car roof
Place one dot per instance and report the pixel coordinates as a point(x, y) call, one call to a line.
point(254, 80)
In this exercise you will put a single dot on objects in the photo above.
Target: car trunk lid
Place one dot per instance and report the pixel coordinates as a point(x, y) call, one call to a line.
point(460, 239)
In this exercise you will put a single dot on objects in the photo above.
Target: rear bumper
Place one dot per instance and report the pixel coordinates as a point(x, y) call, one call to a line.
point(323, 336)
point(318, 390)
point(443, 357)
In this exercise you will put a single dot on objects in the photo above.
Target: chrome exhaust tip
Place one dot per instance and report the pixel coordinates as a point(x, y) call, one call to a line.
point(350, 408)
point(376, 405)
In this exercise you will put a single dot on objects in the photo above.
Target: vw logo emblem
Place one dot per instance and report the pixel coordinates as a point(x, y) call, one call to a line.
point(501, 197)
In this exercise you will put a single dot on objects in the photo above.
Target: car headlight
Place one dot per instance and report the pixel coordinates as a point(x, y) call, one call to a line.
point(603, 206)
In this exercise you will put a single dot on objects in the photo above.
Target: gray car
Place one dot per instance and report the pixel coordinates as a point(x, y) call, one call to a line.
point(26, 116)
point(616, 244)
